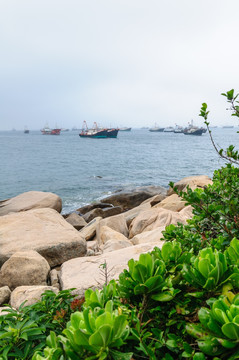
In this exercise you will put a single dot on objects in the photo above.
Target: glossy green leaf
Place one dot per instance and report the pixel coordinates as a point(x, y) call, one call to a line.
point(164, 296)
point(210, 346)
point(101, 337)
point(231, 330)
point(119, 327)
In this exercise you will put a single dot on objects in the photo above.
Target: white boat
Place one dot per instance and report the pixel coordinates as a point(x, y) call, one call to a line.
point(125, 129)
point(169, 129)
point(156, 128)
point(191, 129)
point(178, 129)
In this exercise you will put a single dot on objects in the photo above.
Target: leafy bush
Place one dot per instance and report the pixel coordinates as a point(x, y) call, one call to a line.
point(25, 330)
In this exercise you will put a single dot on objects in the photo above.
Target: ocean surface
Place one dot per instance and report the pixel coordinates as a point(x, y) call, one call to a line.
point(82, 170)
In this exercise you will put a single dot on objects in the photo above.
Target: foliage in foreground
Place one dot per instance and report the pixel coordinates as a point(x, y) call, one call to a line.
point(178, 302)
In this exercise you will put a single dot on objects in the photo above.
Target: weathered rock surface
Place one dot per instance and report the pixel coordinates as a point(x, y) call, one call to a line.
point(111, 240)
point(42, 230)
point(187, 212)
point(54, 281)
point(117, 223)
point(84, 273)
point(192, 181)
point(84, 209)
point(5, 294)
point(30, 294)
point(154, 218)
point(24, 268)
point(89, 231)
point(113, 245)
point(106, 212)
point(78, 222)
point(172, 202)
point(92, 247)
point(133, 197)
point(152, 236)
point(154, 200)
point(131, 214)
point(31, 200)
point(106, 234)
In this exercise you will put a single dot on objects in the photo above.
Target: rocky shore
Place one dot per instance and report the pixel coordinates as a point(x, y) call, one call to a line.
point(42, 249)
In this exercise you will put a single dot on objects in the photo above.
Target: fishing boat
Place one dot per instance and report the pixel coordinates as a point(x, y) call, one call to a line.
point(125, 129)
point(156, 128)
point(168, 129)
point(191, 129)
point(47, 131)
point(178, 129)
point(112, 133)
point(97, 133)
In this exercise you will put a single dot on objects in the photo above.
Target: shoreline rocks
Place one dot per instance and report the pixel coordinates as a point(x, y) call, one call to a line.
point(42, 249)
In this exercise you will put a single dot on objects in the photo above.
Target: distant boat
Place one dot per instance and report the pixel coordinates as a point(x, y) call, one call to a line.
point(168, 129)
point(228, 127)
point(125, 129)
point(156, 128)
point(47, 131)
point(26, 130)
point(193, 130)
point(97, 133)
point(64, 129)
point(178, 129)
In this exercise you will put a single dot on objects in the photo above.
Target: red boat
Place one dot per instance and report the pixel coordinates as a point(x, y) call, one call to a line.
point(47, 131)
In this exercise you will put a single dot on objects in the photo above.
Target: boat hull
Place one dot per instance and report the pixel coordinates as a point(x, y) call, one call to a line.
point(197, 132)
point(125, 129)
point(156, 130)
point(101, 134)
point(112, 133)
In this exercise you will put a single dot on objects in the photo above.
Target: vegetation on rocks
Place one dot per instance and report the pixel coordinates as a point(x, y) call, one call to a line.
point(178, 302)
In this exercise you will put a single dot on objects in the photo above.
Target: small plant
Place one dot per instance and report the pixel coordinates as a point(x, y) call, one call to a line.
point(210, 270)
point(218, 331)
point(91, 334)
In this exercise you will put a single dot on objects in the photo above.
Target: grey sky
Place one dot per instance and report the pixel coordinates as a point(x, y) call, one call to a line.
point(116, 62)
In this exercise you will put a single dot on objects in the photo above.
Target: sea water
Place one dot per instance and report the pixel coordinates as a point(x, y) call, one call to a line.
point(83, 170)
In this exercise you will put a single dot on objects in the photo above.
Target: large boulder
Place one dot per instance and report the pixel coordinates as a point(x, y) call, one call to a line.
point(154, 218)
point(112, 245)
point(117, 223)
point(172, 202)
point(106, 212)
point(111, 240)
point(85, 209)
point(152, 236)
point(131, 214)
point(24, 268)
point(30, 200)
point(107, 234)
point(42, 230)
point(30, 294)
point(187, 212)
point(199, 181)
point(89, 231)
point(132, 197)
point(78, 222)
point(84, 273)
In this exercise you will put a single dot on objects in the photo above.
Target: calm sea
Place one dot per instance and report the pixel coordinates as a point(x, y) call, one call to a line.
point(84, 170)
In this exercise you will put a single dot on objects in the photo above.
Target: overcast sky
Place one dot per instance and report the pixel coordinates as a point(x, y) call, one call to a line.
point(116, 62)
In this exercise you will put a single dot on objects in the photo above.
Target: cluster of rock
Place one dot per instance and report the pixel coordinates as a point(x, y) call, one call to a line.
point(41, 249)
